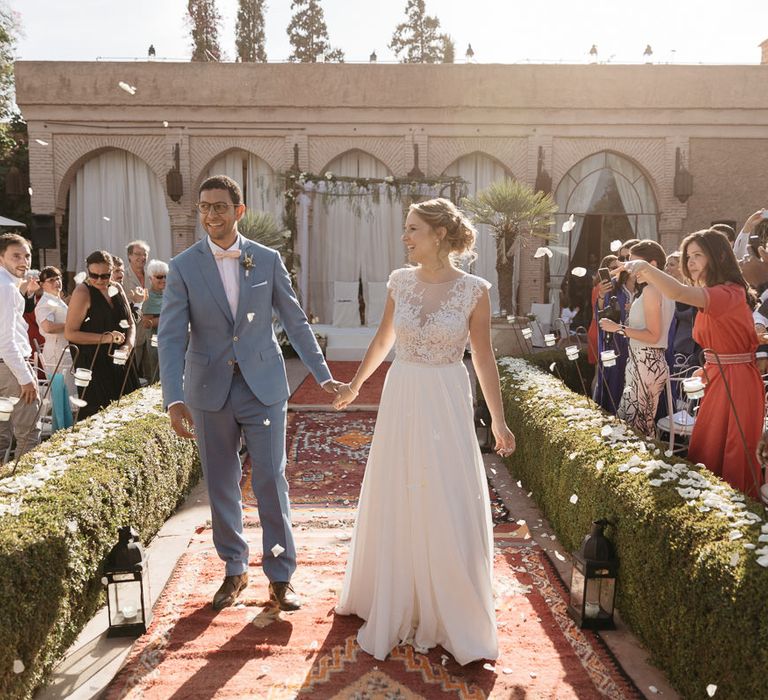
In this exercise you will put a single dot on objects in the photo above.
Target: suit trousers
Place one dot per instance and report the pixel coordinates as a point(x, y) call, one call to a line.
point(218, 436)
point(22, 425)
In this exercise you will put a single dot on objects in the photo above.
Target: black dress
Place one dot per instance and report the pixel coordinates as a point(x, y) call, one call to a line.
point(107, 376)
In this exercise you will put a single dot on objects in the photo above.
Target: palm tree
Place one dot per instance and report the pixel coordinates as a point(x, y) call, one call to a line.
point(516, 213)
point(261, 227)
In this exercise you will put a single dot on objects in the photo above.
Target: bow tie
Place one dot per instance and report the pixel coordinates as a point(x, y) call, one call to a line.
point(222, 254)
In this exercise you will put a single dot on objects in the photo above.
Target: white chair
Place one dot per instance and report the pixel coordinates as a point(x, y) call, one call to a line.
point(543, 314)
point(346, 308)
point(682, 409)
point(377, 298)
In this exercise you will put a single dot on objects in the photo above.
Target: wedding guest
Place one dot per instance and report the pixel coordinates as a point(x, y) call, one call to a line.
point(614, 296)
point(16, 377)
point(726, 434)
point(99, 321)
point(421, 559)
point(135, 286)
point(683, 344)
point(118, 270)
point(647, 329)
point(157, 271)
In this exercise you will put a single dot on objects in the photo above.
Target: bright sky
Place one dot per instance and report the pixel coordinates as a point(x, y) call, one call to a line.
point(500, 31)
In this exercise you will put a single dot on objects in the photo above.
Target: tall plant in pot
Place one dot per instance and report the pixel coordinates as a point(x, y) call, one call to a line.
point(516, 214)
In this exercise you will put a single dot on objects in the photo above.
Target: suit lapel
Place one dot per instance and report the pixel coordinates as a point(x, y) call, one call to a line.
point(210, 273)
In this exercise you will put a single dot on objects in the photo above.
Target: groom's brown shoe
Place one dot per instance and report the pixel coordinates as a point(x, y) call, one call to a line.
point(229, 590)
point(283, 594)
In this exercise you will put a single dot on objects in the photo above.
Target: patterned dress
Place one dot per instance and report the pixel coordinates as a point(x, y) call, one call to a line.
point(420, 564)
point(725, 325)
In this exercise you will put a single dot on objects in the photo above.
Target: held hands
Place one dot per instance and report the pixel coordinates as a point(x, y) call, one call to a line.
point(181, 420)
point(332, 387)
point(345, 396)
point(505, 439)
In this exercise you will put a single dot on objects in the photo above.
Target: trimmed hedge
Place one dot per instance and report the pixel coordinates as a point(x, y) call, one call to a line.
point(125, 466)
point(565, 368)
point(688, 587)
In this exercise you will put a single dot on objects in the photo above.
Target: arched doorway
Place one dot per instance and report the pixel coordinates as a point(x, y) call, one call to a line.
point(258, 182)
point(352, 241)
point(610, 199)
point(479, 171)
point(115, 198)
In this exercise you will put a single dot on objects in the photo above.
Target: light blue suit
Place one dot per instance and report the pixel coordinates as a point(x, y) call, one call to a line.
point(225, 404)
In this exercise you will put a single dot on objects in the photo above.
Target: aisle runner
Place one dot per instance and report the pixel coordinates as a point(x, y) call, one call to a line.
point(310, 393)
point(254, 651)
point(326, 454)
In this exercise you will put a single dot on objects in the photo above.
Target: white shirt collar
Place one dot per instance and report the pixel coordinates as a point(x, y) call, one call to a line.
point(15, 280)
point(214, 247)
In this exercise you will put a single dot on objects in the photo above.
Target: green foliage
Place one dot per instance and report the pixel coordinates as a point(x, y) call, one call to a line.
point(51, 554)
point(14, 164)
point(261, 227)
point(565, 369)
point(9, 30)
point(449, 49)
point(418, 37)
point(695, 598)
point(515, 213)
point(249, 32)
point(308, 34)
point(204, 21)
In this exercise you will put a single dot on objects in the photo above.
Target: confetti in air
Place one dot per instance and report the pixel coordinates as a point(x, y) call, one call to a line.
point(615, 246)
point(128, 88)
point(80, 277)
point(277, 550)
point(541, 252)
point(41, 142)
point(579, 271)
point(569, 225)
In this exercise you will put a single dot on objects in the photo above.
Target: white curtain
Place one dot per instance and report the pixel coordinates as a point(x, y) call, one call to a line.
point(479, 171)
point(351, 240)
point(114, 199)
point(257, 181)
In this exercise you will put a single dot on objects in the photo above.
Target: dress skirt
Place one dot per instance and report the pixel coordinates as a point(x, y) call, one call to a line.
point(421, 558)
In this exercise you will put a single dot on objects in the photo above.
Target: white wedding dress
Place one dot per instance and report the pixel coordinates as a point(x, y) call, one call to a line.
point(421, 558)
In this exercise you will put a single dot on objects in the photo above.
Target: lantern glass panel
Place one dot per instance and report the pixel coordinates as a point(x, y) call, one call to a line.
point(125, 604)
point(577, 588)
point(607, 590)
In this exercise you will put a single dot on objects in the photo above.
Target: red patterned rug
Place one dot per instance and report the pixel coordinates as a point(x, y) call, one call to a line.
point(254, 651)
point(310, 393)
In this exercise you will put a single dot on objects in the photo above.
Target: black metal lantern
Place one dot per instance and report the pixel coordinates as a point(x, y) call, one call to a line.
point(593, 581)
point(483, 426)
point(126, 577)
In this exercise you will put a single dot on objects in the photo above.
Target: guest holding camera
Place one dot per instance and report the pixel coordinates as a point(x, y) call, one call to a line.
point(648, 332)
point(730, 418)
point(99, 315)
point(613, 302)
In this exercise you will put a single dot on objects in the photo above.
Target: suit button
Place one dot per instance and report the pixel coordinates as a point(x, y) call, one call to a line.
point(230, 362)
point(235, 338)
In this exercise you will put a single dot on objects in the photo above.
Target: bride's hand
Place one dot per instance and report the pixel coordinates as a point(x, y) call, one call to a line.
point(345, 395)
point(505, 440)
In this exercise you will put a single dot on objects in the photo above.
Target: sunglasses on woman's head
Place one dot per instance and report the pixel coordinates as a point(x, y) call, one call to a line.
point(97, 276)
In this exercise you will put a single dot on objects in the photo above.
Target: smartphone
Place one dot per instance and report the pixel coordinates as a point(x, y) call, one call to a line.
point(605, 274)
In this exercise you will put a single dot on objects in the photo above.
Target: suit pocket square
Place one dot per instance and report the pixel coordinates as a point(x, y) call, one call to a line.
point(259, 284)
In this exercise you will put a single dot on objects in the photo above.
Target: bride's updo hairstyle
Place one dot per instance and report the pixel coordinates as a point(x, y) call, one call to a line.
point(460, 234)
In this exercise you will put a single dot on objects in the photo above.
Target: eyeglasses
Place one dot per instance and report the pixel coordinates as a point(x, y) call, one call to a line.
point(97, 276)
point(159, 277)
point(218, 207)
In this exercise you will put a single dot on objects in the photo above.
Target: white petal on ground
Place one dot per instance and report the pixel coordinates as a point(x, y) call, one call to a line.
point(112, 291)
point(579, 271)
point(574, 499)
point(507, 671)
point(711, 690)
point(615, 246)
point(314, 644)
point(653, 689)
point(80, 277)
point(489, 667)
point(18, 666)
point(532, 674)
point(41, 142)
point(559, 556)
point(277, 550)
point(542, 251)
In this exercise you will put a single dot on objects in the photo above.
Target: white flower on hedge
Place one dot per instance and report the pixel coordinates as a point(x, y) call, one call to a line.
point(574, 499)
point(18, 666)
point(72, 526)
point(736, 535)
point(711, 690)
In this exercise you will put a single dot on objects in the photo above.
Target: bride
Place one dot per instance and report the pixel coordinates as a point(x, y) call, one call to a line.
point(421, 558)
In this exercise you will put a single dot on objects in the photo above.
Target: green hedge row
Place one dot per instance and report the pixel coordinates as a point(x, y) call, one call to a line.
point(122, 466)
point(693, 582)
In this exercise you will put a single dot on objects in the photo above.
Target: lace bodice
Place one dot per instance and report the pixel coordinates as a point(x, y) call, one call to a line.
point(432, 320)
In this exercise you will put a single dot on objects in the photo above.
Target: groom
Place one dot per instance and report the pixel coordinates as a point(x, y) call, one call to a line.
point(231, 381)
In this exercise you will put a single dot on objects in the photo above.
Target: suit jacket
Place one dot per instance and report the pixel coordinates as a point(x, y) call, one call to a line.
point(194, 299)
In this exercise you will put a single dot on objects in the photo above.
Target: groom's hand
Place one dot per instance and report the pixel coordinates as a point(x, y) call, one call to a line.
point(332, 387)
point(181, 420)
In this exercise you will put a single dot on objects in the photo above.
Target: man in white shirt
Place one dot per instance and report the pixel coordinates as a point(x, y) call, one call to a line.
point(16, 377)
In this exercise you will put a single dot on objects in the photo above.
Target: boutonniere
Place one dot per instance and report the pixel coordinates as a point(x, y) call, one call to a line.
point(247, 263)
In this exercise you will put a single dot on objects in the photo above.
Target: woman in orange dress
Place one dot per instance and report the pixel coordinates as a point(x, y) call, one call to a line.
point(728, 428)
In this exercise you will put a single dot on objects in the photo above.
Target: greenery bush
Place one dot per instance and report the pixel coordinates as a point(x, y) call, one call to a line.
point(693, 582)
point(122, 466)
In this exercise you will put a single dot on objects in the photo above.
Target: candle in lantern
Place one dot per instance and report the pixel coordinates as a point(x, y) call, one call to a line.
point(83, 376)
point(694, 387)
point(6, 408)
point(591, 609)
point(549, 339)
point(527, 333)
point(119, 357)
point(608, 358)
